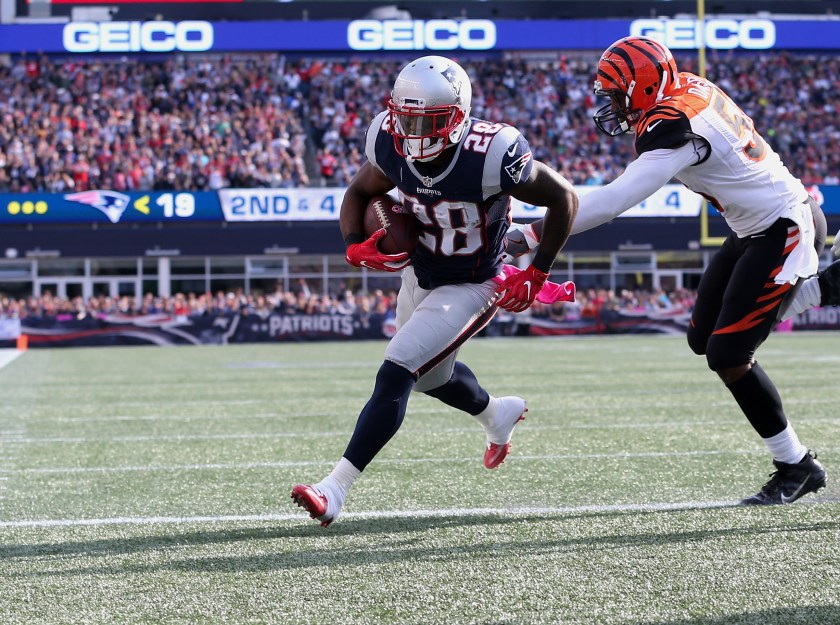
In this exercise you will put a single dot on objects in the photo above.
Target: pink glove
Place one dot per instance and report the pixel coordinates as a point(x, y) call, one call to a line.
point(518, 291)
point(551, 291)
point(367, 254)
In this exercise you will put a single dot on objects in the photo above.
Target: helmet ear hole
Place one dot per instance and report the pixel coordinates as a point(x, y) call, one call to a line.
point(648, 90)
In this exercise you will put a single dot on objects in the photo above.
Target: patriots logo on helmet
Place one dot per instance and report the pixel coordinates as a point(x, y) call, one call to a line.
point(111, 203)
point(516, 168)
point(452, 77)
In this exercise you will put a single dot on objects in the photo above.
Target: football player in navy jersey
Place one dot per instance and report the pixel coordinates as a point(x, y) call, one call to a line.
point(456, 174)
point(687, 128)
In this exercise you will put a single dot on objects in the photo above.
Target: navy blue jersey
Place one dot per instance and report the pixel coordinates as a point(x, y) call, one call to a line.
point(463, 210)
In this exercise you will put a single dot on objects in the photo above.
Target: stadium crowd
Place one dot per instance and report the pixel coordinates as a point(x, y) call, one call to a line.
point(201, 123)
point(303, 301)
point(293, 302)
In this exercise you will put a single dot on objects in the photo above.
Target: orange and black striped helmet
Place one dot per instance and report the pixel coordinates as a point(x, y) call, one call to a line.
point(634, 73)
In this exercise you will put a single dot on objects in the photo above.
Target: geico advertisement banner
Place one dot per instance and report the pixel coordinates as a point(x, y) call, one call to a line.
point(409, 36)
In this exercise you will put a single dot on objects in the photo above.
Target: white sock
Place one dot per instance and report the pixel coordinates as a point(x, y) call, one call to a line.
point(785, 446)
point(343, 476)
point(486, 416)
point(807, 297)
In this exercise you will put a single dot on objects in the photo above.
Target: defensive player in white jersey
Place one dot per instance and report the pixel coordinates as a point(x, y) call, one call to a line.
point(687, 128)
point(456, 174)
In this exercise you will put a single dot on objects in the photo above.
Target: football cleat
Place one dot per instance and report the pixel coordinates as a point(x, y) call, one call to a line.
point(511, 410)
point(829, 281)
point(319, 500)
point(789, 482)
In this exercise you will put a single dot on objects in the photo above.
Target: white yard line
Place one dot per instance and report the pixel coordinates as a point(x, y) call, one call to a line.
point(8, 355)
point(180, 438)
point(377, 514)
point(237, 466)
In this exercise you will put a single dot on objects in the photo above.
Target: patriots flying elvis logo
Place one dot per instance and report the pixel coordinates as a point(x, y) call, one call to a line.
point(111, 203)
point(516, 168)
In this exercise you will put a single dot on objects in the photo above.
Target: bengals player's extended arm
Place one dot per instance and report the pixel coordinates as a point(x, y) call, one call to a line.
point(544, 187)
point(366, 184)
point(643, 177)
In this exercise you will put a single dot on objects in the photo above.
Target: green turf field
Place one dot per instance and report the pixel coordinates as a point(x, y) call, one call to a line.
point(151, 485)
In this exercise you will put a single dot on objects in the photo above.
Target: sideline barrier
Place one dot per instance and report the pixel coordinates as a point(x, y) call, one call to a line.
point(230, 328)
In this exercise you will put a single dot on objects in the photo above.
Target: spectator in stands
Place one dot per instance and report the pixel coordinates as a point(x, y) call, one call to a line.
point(185, 123)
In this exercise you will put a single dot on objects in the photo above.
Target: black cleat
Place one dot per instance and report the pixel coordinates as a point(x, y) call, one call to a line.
point(789, 482)
point(829, 281)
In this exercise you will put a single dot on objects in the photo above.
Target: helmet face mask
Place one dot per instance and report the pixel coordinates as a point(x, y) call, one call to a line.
point(617, 117)
point(635, 73)
point(422, 134)
point(429, 107)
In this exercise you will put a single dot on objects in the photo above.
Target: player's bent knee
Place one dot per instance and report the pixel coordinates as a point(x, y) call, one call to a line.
point(697, 341)
point(437, 377)
point(722, 355)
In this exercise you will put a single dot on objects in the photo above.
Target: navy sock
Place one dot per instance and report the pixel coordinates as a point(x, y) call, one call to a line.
point(462, 391)
point(759, 400)
point(382, 415)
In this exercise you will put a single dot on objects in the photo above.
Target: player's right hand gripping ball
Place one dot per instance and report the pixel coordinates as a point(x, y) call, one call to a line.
point(367, 254)
point(401, 230)
point(519, 290)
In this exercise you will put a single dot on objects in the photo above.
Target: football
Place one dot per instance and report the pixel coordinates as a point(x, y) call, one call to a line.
point(401, 227)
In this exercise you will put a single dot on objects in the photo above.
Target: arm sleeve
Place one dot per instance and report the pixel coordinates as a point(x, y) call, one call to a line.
point(644, 176)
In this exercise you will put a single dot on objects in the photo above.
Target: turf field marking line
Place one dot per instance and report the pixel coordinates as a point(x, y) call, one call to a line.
point(8, 355)
point(378, 514)
point(382, 461)
point(326, 434)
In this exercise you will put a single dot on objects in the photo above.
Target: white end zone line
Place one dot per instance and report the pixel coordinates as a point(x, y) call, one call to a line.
point(380, 514)
point(8, 355)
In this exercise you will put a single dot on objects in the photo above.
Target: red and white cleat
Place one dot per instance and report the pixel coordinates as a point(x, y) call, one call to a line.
point(511, 411)
point(315, 500)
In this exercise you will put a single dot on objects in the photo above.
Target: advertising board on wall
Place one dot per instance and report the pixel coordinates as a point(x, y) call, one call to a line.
point(253, 205)
point(436, 35)
point(304, 204)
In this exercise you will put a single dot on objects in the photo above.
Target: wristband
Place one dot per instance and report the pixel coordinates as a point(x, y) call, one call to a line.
point(543, 261)
point(353, 238)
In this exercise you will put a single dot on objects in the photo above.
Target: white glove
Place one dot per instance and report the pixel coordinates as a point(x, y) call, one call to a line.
point(835, 249)
point(520, 239)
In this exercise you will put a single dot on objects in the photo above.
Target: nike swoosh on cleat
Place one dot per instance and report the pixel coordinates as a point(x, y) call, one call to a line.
point(794, 494)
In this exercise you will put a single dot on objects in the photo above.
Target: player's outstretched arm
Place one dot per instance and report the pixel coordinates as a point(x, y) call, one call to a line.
point(544, 187)
point(643, 177)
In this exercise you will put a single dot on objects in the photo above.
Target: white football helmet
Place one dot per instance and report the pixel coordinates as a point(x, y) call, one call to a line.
point(429, 107)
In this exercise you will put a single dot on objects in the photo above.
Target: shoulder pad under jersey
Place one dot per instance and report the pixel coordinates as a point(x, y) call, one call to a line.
point(508, 162)
point(665, 126)
point(372, 133)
